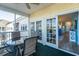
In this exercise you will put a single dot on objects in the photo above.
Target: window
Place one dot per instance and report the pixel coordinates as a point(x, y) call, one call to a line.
point(8, 24)
point(39, 29)
point(22, 22)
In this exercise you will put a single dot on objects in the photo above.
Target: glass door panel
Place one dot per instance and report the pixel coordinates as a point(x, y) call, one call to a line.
point(67, 30)
point(32, 28)
point(39, 29)
point(51, 31)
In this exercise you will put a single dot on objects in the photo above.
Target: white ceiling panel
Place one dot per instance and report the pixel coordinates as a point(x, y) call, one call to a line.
point(21, 7)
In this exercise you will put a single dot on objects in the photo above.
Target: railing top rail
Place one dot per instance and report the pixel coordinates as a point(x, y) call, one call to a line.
point(11, 31)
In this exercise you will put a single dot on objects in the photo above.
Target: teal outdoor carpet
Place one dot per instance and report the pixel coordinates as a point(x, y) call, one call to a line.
point(43, 50)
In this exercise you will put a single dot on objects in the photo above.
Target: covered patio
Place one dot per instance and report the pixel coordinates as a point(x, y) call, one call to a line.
point(39, 29)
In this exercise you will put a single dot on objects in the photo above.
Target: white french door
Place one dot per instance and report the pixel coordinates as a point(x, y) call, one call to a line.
point(52, 32)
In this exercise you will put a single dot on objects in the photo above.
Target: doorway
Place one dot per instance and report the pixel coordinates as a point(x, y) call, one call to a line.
point(67, 29)
point(51, 32)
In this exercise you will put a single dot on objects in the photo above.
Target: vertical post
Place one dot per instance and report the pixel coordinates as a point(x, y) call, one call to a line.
point(44, 31)
point(15, 22)
point(78, 29)
point(57, 31)
point(29, 29)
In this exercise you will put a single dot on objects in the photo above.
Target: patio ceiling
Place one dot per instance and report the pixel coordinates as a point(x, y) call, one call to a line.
point(22, 8)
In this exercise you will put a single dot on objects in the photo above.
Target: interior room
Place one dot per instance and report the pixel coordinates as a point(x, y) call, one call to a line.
point(39, 29)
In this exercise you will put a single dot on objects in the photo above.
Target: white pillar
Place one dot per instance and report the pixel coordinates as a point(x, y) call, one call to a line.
point(15, 22)
point(56, 31)
point(29, 28)
point(44, 31)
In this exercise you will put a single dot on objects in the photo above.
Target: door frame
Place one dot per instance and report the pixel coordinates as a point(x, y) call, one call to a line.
point(51, 44)
point(56, 46)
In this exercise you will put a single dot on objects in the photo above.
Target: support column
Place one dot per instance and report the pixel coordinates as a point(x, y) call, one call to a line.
point(78, 29)
point(57, 31)
point(15, 22)
point(29, 29)
point(44, 32)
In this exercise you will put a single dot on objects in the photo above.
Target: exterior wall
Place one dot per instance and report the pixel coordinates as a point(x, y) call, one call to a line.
point(53, 11)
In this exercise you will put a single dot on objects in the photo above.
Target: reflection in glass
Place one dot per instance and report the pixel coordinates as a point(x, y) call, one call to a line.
point(39, 29)
point(32, 28)
point(68, 32)
point(51, 31)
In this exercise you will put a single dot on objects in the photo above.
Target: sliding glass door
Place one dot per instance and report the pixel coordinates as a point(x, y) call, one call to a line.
point(67, 29)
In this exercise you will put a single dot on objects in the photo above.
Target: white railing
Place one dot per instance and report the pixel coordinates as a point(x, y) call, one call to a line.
point(6, 36)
